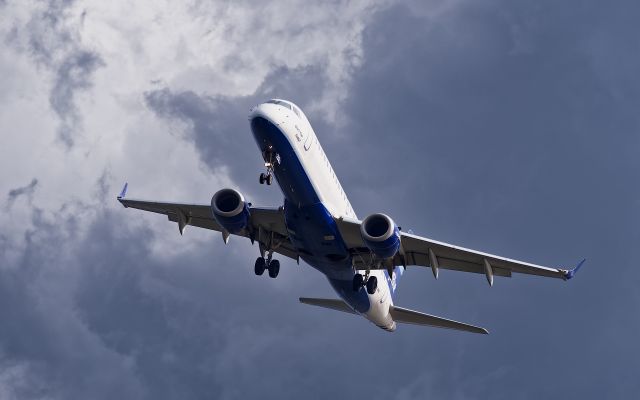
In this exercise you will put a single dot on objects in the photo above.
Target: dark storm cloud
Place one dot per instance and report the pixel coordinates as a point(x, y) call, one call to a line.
point(218, 126)
point(46, 30)
point(101, 317)
point(52, 40)
point(61, 358)
point(72, 76)
point(514, 129)
point(27, 191)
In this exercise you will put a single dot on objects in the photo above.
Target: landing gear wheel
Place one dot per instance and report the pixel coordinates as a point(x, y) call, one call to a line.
point(358, 281)
point(372, 284)
point(269, 179)
point(274, 268)
point(263, 178)
point(260, 266)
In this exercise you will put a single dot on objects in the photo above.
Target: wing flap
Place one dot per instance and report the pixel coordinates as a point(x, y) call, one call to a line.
point(205, 223)
point(406, 316)
point(270, 219)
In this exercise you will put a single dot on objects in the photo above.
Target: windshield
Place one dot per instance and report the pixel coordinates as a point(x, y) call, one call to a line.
point(280, 103)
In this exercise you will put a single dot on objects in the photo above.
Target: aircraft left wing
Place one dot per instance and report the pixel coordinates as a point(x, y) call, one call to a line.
point(266, 225)
point(421, 251)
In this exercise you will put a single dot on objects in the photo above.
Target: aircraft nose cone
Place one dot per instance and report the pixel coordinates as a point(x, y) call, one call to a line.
point(263, 110)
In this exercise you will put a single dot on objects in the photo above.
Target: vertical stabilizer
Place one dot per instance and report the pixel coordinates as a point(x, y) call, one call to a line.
point(394, 279)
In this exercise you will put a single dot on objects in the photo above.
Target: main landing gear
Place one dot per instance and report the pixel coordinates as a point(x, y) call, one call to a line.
point(371, 283)
point(266, 261)
point(269, 159)
point(262, 264)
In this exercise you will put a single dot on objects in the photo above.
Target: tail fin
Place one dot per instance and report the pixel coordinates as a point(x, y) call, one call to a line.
point(406, 316)
point(394, 279)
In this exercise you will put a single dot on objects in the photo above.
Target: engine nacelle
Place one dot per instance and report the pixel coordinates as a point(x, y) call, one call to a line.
point(381, 235)
point(230, 210)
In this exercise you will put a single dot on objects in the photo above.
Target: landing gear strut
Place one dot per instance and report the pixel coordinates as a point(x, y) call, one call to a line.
point(371, 283)
point(269, 159)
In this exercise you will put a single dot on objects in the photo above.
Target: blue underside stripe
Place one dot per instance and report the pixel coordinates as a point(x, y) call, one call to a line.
point(309, 218)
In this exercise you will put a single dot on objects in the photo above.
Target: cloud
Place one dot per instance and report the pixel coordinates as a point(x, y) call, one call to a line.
point(514, 152)
point(83, 306)
point(83, 72)
point(499, 125)
point(217, 125)
point(27, 191)
point(73, 75)
point(52, 36)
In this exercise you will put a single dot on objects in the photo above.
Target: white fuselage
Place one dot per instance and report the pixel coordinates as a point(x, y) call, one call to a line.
point(325, 189)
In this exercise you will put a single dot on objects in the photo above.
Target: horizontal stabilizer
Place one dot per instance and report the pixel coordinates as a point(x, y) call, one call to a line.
point(406, 316)
point(333, 304)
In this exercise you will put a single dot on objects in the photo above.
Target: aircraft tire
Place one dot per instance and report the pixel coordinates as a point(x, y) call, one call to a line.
point(269, 179)
point(358, 281)
point(274, 268)
point(372, 284)
point(262, 178)
point(260, 266)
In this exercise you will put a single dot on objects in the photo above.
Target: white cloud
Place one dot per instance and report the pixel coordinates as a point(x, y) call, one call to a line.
point(210, 48)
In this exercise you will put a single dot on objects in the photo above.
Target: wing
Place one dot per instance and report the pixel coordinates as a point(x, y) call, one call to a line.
point(421, 251)
point(267, 225)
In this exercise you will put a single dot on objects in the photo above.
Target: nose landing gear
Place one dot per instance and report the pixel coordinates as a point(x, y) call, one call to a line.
point(269, 158)
point(266, 178)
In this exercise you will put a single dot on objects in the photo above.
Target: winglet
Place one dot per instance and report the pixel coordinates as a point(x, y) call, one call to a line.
point(123, 192)
point(570, 273)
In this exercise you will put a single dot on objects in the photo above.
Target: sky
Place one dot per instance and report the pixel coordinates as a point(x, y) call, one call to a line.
point(512, 127)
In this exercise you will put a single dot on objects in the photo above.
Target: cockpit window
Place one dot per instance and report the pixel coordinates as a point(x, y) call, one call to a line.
point(295, 110)
point(280, 103)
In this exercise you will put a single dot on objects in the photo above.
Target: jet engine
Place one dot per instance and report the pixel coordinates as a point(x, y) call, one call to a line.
point(230, 210)
point(381, 235)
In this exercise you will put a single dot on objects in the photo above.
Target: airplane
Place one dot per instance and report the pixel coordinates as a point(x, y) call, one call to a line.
point(363, 260)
